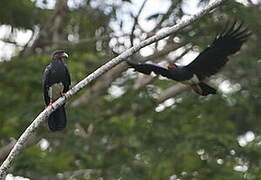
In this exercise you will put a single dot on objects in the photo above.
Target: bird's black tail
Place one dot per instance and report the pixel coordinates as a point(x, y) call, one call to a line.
point(57, 120)
point(203, 89)
point(206, 89)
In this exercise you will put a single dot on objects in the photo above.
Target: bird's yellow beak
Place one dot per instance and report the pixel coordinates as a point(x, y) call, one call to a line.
point(65, 55)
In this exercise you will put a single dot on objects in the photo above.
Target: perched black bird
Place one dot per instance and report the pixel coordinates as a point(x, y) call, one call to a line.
point(207, 63)
point(56, 82)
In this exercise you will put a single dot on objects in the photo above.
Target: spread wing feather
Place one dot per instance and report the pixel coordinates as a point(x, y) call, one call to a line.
point(147, 68)
point(214, 57)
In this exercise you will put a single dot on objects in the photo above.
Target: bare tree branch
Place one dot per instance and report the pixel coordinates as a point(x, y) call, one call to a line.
point(4, 151)
point(172, 92)
point(167, 49)
point(59, 21)
point(136, 18)
point(20, 144)
point(52, 30)
point(9, 42)
point(165, 16)
point(182, 54)
point(256, 6)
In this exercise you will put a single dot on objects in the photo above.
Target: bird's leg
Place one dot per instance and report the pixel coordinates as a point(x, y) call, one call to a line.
point(197, 89)
point(51, 104)
point(63, 95)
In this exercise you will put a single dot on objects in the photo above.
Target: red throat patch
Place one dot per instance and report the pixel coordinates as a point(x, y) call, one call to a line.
point(172, 66)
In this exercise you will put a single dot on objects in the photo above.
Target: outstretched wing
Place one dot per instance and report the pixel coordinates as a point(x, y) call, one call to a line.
point(214, 57)
point(147, 68)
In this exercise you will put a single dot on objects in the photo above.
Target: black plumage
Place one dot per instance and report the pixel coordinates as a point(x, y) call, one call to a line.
point(207, 63)
point(56, 82)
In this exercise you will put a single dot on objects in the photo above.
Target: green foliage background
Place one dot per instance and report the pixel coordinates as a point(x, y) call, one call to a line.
point(194, 138)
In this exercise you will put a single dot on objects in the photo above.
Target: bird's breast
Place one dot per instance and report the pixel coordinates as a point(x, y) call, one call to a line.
point(55, 91)
point(58, 74)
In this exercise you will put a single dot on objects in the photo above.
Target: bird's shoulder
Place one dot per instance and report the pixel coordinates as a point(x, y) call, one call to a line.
point(48, 67)
point(183, 73)
point(47, 70)
point(53, 68)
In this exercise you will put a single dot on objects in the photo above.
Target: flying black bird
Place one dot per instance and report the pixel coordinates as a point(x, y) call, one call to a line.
point(56, 82)
point(207, 63)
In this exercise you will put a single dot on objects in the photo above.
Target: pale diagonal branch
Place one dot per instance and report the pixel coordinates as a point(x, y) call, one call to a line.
point(129, 52)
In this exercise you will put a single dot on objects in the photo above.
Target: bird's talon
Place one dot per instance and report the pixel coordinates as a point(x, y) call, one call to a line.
point(50, 104)
point(64, 95)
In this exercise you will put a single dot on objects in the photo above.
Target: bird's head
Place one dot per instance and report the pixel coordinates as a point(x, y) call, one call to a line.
point(58, 55)
point(172, 66)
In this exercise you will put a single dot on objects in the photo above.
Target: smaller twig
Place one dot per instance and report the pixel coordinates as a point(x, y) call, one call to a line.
point(250, 2)
point(10, 42)
point(182, 54)
point(166, 15)
point(165, 51)
point(136, 18)
point(27, 44)
point(4, 151)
